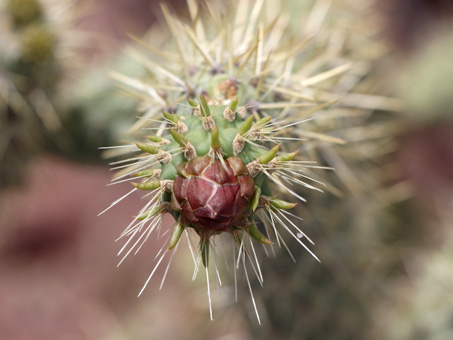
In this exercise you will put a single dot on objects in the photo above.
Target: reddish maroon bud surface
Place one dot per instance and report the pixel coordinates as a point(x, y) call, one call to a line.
point(213, 195)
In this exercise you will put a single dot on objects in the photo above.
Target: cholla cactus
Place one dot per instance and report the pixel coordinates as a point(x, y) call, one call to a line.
point(226, 104)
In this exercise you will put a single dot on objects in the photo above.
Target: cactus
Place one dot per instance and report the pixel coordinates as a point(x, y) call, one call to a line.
point(227, 105)
point(213, 173)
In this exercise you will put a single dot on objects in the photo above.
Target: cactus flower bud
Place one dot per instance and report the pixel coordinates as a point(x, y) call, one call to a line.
point(211, 196)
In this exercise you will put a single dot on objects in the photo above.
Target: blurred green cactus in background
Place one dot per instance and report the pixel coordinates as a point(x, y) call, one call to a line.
point(28, 77)
point(45, 104)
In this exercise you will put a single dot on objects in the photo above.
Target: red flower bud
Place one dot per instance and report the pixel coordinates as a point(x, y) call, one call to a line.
point(213, 195)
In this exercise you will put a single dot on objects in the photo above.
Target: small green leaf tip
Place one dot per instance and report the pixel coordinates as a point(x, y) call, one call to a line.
point(246, 126)
point(287, 156)
point(280, 204)
point(234, 104)
point(145, 173)
point(204, 107)
point(256, 198)
point(263, 121)
point(180, 139)
point(148, 148)
point(204, 247)
point(192, 103)
point(171, 117)
point(215, 139)
point(268, 156)
point(150, 185)
point(154, 139)
point(258, 235)
point(149, 213)
point(175, 236)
